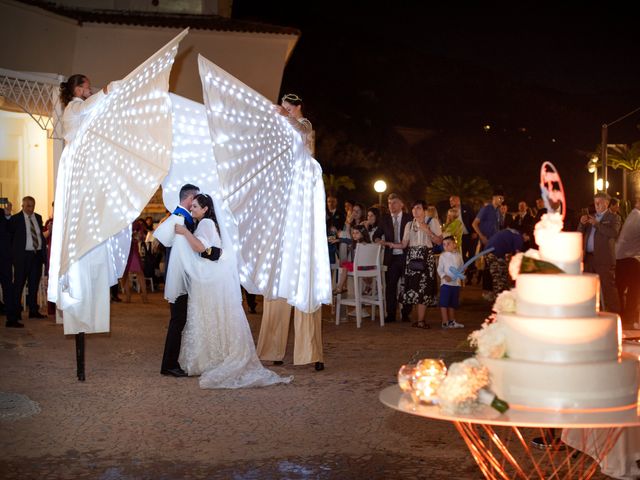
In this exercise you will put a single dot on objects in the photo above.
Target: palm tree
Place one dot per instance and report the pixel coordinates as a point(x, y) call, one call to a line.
point(333, 183)
point(473, 190)
point(627, 158)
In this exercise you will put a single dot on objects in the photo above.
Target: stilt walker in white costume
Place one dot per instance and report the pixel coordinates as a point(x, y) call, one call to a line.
point(276, 316)
point(117, 151)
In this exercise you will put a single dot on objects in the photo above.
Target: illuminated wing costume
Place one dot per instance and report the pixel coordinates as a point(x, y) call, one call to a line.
point(273, 187)
point(107, 175)
point(267, 188)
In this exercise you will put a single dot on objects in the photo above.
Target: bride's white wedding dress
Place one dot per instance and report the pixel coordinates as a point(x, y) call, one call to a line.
point(216, 342)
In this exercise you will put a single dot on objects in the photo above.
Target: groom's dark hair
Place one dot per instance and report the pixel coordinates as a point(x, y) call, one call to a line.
point(187, 190)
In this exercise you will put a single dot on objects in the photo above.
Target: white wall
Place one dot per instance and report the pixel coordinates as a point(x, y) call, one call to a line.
point(25, 161)
point(33, 40)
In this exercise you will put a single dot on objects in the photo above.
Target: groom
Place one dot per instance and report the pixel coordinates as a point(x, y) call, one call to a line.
point(170, 365)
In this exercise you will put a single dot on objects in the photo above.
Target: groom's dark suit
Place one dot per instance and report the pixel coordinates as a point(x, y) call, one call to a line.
point(178, 311)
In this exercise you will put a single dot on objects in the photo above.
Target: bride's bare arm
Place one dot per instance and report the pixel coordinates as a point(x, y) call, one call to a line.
point(194, 243)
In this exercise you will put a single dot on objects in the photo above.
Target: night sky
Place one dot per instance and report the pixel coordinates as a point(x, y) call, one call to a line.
point(544, 78)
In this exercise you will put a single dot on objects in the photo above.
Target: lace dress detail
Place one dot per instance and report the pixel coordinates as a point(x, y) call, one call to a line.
point(216, 342)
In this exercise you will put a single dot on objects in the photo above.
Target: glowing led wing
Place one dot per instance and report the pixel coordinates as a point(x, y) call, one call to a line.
point(118, 158)
point(193, 163)
point(273, 187)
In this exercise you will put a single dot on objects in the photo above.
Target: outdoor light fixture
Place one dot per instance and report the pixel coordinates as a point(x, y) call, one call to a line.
point(600, 183)
point(380, 186)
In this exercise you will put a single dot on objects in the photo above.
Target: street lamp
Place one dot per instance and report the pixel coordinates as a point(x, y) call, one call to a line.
point(592, 167)
point(600, 183)
point(380, 186)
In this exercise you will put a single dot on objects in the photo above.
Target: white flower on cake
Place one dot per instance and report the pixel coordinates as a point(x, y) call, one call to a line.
point(490, 340)
point(549, 226)
point(464, 389)
point(505, 302)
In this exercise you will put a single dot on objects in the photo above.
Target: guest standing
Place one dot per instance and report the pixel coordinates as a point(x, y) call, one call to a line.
point(469, 236)
point(449, 287)
point(29, 252)
point(419, 237)
point(600, 232)
point(6, 270)
point(628, 267)
point(391, 228)
point(486, 224)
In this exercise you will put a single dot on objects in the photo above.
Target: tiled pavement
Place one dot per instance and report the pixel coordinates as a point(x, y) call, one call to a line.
point(129, 422)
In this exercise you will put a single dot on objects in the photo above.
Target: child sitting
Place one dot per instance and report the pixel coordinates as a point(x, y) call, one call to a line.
point(449, 288)
point(359, 234)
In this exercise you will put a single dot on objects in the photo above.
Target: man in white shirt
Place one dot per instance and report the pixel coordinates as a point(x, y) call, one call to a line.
point(628, 266)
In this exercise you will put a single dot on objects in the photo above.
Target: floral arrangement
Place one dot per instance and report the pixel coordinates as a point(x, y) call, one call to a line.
point(505, 302)
point(489, 341)
point(464, 389)
point(548, 227)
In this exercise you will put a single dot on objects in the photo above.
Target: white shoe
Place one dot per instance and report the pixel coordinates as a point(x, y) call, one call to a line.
point(454, 324)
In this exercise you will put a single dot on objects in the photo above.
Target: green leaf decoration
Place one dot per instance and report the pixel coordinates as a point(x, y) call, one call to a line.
point(533, 265)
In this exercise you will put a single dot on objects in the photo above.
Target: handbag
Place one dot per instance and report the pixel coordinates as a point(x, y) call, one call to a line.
point(417, 265)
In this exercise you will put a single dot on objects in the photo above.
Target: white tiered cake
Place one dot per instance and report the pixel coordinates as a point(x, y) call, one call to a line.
point(560, 353)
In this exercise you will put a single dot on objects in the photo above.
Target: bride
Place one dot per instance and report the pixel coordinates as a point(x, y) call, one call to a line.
point(216, 342)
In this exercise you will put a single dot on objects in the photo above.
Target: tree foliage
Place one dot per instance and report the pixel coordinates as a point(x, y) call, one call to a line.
point(470, 189)
point(334, 183)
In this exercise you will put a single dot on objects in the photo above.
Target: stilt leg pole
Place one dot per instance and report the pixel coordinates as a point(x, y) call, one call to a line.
point(80, 355)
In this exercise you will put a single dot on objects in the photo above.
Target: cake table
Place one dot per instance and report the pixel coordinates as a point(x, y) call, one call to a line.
point(500, 443)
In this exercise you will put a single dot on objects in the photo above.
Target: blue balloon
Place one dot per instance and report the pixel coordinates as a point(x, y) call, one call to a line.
point(458, 273)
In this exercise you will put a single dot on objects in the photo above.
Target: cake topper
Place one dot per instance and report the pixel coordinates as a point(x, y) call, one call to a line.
point(551, 189)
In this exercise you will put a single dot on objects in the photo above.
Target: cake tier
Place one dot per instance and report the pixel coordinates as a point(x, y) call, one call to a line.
point(579, 386)
point(557, 295)
point(561, 340)
point(563, 249)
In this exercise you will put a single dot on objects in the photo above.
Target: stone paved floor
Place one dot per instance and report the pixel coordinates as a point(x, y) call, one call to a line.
point(129, 422)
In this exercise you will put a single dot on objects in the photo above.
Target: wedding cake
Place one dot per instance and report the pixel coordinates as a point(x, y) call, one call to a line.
point(556, 351)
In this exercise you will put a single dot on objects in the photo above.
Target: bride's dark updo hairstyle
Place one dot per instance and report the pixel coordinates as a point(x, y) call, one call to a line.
point(205, 200)
point(67, 88)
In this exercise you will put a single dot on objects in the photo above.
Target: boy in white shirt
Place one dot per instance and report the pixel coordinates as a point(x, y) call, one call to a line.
point(449, 288)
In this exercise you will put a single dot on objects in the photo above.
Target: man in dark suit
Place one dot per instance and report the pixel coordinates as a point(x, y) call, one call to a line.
point(469, 236)
point(600, 232)
point(524, 222)
point(170, 365)
point(6, 269)
point(392, 227)
point(28, 252)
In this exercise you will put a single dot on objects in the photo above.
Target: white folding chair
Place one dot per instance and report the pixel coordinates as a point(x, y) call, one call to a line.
point(366, 264)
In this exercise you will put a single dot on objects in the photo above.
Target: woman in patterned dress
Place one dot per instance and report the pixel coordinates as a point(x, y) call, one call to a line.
point(420, 287)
